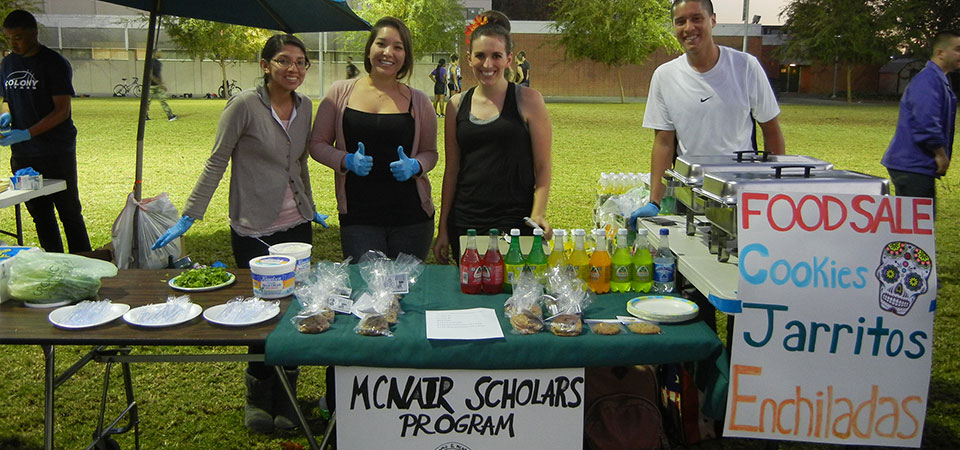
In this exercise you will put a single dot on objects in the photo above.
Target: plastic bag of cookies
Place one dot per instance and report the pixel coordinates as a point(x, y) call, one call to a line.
point(522, 308)
point(605, 327)
point(568, 298)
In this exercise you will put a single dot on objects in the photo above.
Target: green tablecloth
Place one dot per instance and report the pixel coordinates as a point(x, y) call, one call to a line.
point(438, 289)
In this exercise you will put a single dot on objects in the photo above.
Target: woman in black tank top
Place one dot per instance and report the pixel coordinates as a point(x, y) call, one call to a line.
point(379, 135)
point(497, 146)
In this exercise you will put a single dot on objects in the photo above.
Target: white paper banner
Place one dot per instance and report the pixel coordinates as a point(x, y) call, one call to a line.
point(835, 340)
point(441, 409)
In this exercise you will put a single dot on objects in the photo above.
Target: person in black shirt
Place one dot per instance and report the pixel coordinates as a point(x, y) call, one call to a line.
point(158, 90)
point(523, 69)
point(35, 83)
point(497, 145)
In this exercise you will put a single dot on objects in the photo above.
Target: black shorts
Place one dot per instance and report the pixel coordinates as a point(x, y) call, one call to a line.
point(439, 89)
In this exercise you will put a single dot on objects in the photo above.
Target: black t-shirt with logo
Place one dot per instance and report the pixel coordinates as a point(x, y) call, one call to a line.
point(28, 87)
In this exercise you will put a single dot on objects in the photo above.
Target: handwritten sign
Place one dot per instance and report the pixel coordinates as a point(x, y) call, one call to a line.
point(459, 409)
point(835, 340)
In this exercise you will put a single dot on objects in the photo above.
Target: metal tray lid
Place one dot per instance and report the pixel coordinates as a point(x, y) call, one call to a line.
point(690, 169)
point(725, 186)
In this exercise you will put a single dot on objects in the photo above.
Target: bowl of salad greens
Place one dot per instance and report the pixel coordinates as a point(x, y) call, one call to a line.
point(202, 279)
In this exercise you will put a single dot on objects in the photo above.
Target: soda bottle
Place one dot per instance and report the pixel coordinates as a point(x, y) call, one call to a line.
point(600, 264)
point(513, 262)
point(579, 260)
point(557, 257)
point(471, 273)
point(493, 265)
point(621, 271)
point(642, 264)
point(664, 265)
point(537, 259)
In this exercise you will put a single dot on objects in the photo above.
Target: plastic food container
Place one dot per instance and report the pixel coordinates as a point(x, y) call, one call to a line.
point(273, 275)
point(300, 252)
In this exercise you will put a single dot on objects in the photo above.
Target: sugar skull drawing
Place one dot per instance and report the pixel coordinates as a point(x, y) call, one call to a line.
point(903, 273)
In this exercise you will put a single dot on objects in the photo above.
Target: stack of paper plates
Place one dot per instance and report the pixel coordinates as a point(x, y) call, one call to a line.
point(662, 308)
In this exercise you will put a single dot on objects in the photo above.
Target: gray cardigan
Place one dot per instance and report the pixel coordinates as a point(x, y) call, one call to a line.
point(266, 159)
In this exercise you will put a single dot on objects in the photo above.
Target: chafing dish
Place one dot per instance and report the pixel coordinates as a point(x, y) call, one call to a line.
point(721, 189)
point(689, 172)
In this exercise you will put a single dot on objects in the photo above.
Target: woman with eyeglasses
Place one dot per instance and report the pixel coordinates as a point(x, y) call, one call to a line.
point(263, 133)
point(379, 136)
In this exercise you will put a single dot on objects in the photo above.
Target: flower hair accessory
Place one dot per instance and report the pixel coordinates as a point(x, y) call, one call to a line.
point(477, 22)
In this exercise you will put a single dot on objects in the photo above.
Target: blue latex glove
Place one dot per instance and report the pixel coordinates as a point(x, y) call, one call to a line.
point(404, 168)
point(358, 162)
point(648, 210)
point(5, 120)
point(320, 218)
point(219, 264)
point(14, 136)
point(174, 232)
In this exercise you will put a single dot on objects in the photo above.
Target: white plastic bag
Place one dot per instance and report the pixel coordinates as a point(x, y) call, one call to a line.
point(155, 216)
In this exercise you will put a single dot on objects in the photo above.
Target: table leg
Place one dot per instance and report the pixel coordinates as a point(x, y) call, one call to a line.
point(16, 209)
point(296, 406)
point(328, 433)
point(48, 387)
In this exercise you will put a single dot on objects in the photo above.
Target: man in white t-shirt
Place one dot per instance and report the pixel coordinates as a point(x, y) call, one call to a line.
point(706, 100)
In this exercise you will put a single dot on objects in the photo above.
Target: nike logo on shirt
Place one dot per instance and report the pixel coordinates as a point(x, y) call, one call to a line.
point(705, 99)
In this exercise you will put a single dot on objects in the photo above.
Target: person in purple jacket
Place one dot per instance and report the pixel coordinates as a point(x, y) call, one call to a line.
point(921, 147)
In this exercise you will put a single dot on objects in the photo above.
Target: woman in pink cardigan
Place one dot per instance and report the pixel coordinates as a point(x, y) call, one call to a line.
point(380, 138)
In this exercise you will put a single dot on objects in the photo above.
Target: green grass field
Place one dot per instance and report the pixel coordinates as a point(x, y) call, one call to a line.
point(201, 405)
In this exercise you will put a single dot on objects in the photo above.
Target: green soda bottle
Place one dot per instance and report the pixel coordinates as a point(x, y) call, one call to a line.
point(621, 265)
point(537, 259)
point(513, 262)
point(642, 264)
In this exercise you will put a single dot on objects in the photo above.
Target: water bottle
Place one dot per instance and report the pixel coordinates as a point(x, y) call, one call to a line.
point(664, 265)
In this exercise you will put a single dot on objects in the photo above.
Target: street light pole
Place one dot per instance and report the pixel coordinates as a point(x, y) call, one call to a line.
point(746, 23)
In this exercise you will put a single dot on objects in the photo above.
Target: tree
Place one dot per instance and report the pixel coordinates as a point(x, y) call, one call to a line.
point(614, 32)
point(221, 42)
point(435, 25)
point(914, 22)
point(846, 32)
point(8, 6)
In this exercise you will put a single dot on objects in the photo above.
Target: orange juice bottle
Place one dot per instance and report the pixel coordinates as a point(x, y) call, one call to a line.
point(600, 264)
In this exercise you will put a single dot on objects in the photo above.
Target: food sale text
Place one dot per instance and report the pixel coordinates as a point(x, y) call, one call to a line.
point(834, 342)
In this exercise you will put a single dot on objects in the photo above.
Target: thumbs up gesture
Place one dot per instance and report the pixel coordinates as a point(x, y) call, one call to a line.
point(358, 162)
point(404, 168)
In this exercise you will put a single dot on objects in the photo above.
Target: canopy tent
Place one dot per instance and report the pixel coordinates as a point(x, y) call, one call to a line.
point(291, 16)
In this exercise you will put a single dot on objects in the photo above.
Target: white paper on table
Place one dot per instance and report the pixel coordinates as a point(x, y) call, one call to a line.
point(466, 324)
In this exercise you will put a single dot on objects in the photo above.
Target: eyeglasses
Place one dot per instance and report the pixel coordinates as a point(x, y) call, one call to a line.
point(286, 63)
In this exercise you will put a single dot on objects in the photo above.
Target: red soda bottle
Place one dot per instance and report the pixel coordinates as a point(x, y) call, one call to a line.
point(493, 265)
point(470, 268)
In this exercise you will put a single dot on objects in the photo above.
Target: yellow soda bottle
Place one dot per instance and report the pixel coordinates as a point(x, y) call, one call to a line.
point(579, 261)
point(556, 257)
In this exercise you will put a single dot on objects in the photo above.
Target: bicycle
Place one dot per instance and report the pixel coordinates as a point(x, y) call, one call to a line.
point(232, 88)
point(123, 88)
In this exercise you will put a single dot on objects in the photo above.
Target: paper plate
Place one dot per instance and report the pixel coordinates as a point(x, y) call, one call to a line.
point(59, 316)
point(663, 308)
point(133, 316)
point(213, 314)
point(52, 304)
point(202, 289)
